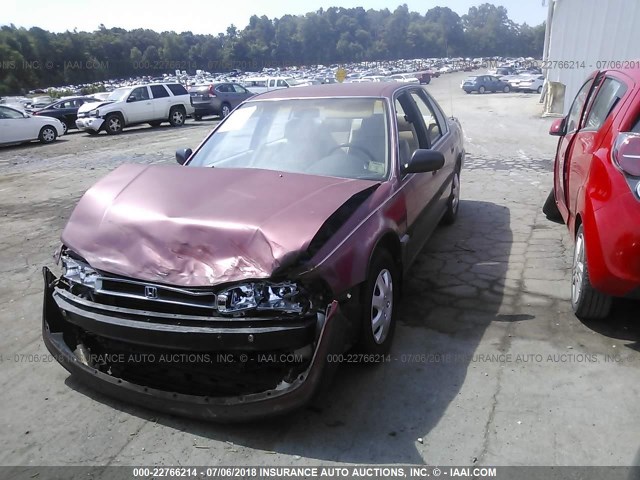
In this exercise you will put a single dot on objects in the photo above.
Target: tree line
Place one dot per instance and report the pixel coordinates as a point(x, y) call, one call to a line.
point(36, 58)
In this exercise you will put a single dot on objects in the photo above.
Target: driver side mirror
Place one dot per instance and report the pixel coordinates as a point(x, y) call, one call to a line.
point(423, 161)
point(182, 155)
point(558, 127)
point(131, 99)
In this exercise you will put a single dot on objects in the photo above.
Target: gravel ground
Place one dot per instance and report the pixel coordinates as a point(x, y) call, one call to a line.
point(489, 366)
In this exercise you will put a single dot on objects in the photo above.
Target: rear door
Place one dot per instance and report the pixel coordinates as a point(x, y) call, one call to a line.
point(240, 94)
point(161, 101)
point(572, 125)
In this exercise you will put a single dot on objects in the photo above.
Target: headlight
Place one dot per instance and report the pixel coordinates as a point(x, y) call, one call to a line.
point(283, 297)
point(94, 113)
point(77, 271)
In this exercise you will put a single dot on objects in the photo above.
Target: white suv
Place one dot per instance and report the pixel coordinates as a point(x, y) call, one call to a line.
point(153, 103)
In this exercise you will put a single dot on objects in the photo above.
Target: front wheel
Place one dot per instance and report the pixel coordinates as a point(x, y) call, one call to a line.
point(481, 90)
point(379, 301)
point(113, 124)
point(47, 134)
point(506, 89)
point(539, 90)
point(587, 302)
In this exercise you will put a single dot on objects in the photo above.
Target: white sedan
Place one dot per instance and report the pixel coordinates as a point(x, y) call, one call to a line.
point(17, 126)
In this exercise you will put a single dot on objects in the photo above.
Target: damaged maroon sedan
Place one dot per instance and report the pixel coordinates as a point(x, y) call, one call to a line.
point(221, 288)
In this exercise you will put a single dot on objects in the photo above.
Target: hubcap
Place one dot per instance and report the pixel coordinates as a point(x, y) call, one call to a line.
point(225, 111)
point(48, 135)
point(577, 276)
point(455, 192)
point(64, 127)
point(114, 124)
point(382, 306)
point(177, 117)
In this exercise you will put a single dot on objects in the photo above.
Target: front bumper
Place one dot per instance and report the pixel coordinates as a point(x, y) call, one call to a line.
point(62, 320)
point(89, 123)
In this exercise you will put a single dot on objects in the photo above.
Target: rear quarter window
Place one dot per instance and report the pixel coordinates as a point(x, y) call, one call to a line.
point(177, 89)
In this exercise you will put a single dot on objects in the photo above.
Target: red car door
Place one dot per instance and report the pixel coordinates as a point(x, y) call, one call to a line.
point(606, 95)
point(571, 126)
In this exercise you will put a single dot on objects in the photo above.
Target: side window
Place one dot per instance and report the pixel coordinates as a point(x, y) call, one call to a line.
point(223, 88)
point(607, 97)
point(138, 94)
point(434, 132)
point(177, 89)
point(239, 88)
point(407, 137)
point(158, 91)
point(10, 113)
point(573, 119)
point(282, 83)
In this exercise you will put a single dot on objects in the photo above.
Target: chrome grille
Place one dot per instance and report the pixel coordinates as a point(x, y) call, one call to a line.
point(155, 293)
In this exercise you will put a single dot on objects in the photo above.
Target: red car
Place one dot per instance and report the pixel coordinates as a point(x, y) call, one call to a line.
point(228, 287)
point(597, 189)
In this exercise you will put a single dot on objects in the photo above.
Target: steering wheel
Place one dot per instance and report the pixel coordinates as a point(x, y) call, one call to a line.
point(353, 145)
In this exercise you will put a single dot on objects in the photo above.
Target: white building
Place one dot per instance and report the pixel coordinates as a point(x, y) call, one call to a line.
point(583, 36)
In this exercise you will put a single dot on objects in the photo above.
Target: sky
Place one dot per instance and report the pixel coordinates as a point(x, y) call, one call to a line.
point(213, 17)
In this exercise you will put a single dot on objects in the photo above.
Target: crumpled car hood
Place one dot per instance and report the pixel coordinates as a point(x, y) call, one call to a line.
point(87, 107)
point(192, 226)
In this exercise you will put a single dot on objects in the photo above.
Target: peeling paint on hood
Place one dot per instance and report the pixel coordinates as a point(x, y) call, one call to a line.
point(192, 226)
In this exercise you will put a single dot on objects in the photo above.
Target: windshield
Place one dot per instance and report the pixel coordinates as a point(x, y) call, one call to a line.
point(338, 137)
point(119, 94)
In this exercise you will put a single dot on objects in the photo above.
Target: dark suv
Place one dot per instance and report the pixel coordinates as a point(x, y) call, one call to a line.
point(217, 98)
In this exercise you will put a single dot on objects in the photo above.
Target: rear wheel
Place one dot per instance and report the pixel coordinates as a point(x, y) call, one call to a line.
point(379, 301)
point(176, 116)
point(225, 110)
point(197, 117)
point(155, 123)
point(453, 203)
point(539, 89)
point(91, 132)
point(113, 124)
point(506, 89)
point(481, 90)
point(47, 134)
point(587, 302)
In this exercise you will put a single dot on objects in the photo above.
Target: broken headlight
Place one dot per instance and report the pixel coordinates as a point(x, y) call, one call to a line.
point(77, 271)
point(282, 297)
point(93, 113)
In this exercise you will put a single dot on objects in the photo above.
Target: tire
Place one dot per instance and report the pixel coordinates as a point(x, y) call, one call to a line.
point(47, 134)
point(550, 208)
point(155, 124)
point(379, 300)
point(453, 203)
point(65, 128)
point(506, 89)
point(177, 116)
point(481, 90)
point(113, 123)
point(197, 117)
point(539, 90)
point(92, 132)
point(225, 110)
point(587, 302)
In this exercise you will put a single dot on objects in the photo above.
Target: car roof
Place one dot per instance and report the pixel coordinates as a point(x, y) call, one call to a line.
point(365, 89)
